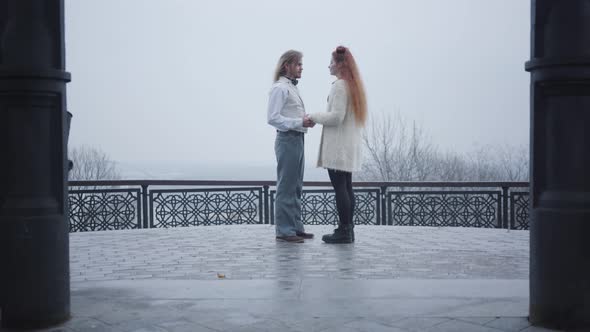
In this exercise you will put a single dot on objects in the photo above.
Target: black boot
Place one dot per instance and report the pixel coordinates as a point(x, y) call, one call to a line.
point(342, 234)
point(352, 232)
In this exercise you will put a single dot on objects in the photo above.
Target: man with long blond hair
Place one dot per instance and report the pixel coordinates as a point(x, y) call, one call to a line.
point(340, 145)
point(286, 113)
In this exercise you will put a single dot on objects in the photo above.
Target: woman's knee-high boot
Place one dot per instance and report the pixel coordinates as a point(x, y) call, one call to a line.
point(342, 234)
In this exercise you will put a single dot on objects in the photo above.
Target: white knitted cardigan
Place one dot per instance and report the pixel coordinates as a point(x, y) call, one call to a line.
point(340, 145)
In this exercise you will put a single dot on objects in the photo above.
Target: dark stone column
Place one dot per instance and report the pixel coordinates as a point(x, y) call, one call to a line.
point(560, 161)
point(34, 256)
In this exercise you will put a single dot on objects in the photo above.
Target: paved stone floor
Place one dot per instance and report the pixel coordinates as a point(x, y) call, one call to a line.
point(250, 252)
point(238, 278)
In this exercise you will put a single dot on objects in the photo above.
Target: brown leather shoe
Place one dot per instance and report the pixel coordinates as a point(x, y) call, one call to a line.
point(292, 239)
point(304, 235)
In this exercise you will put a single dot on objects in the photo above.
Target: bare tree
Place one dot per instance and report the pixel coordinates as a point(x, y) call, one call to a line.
point(483, 165)
point(514, 161)
point(423, 155)
point(452, 166)
point(396, 152)
point(92, 164)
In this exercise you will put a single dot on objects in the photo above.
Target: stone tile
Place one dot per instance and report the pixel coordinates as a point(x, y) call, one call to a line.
point(267, 325)
point(149, 329)
point(232, 320)
point(87, 324)
point(134, 325)
point(338, 329)
point(541, 329)
point(364, 324)
point(476, 319)
point(454, 325)
point(221, 325)
point(118, 315)
point(190, 328)
point(509, 324)
point(414, 288)
point(312, 322)
point(418, 323)
point(499, 307)
point(168, 324)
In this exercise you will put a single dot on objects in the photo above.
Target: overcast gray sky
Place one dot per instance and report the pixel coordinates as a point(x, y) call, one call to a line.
point(188, 81)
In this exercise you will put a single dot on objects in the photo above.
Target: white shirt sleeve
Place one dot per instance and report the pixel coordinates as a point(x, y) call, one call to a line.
point(277, 99)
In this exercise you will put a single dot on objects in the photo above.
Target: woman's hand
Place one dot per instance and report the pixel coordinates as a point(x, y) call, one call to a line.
point(308, 122)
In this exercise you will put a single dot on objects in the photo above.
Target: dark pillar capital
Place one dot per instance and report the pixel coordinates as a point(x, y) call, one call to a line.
point(34, 282)
point(560, 164)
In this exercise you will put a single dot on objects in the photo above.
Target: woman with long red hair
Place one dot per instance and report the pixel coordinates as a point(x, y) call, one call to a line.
point(340, 146)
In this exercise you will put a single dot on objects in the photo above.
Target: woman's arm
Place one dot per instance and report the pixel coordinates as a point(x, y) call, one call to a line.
point(337, 107)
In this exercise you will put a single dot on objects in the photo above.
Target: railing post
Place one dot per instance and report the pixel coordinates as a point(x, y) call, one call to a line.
point(144, 204)
point(272, 209)
point(265, 205)
point(504, 222)
point(512, 214)
point(384, 213)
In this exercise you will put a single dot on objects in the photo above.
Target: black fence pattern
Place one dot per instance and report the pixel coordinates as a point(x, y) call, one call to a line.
point(204, 207)
point(519, 210)
point(318, 207)
point(106, 209)
point(445, 208)
point(163, 204)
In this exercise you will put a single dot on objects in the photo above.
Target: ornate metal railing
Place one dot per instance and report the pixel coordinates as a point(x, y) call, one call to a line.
point(445, 208)
point(108, 209)
point(319, 207)
point(160, 204)
point(192, 207)
point(519, 209)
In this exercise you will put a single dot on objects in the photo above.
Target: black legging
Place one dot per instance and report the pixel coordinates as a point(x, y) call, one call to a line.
point(342, 183)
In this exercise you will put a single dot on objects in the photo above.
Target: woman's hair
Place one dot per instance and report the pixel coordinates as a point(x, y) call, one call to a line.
point(349, 72)
point(289, 57)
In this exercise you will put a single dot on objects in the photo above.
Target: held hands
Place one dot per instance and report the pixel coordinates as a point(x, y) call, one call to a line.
point(308, 122)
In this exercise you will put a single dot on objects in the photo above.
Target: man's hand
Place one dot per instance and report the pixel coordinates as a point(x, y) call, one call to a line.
point(307, 122)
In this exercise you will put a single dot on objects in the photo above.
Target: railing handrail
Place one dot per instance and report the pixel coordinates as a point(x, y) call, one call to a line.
point(401, 184)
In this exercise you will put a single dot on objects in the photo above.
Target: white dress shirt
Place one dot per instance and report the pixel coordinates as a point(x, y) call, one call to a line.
point(285, 107)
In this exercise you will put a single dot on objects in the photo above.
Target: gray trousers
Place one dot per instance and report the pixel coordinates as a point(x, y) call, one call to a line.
point(290, 162)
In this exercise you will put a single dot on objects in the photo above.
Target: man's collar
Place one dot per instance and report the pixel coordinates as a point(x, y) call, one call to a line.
point(292, 80)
